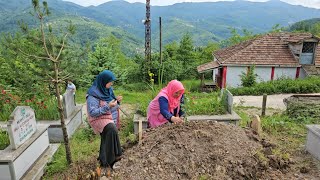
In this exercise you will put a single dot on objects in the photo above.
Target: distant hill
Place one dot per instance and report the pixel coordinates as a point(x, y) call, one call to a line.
point(87, 30)
point(306, 25)
point(206, 22)
point(211, 19)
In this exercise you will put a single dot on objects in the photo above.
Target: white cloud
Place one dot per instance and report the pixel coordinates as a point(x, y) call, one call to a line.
point(307, 3)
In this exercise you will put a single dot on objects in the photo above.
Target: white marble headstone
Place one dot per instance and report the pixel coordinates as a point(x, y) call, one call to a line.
point(21, 126)
point(68, 104)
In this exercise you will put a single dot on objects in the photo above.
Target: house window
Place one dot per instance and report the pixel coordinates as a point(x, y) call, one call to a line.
point(307, 55)
point(308, 47)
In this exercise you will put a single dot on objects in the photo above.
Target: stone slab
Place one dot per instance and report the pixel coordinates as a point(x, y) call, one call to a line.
point(233, 118)
point(19, 161)
point(72, 123)
point(313, 140)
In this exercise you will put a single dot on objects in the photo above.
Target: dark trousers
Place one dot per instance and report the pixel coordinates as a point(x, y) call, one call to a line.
point(110, 146)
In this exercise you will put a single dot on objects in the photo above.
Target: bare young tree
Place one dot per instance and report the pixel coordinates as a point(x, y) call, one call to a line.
point(53, 47)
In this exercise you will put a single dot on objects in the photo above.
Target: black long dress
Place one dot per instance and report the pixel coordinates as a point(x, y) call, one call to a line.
point(110, 146)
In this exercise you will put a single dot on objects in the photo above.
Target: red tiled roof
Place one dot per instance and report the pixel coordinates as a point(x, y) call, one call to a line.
point(210, 65)
point(270, 49)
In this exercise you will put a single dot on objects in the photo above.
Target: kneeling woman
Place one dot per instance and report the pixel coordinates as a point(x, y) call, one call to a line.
point(165, 107)
point(100, 104)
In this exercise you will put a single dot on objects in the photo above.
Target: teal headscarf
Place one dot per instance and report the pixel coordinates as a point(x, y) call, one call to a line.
point(98, 88)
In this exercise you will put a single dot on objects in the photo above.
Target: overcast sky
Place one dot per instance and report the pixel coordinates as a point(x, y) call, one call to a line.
point(308, 3)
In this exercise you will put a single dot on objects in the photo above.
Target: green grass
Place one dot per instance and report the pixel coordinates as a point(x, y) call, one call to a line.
point(81, 96)
point(83, 144)
point(4, 139)
point(204, 104)
point(289, 134)
point(245, 118)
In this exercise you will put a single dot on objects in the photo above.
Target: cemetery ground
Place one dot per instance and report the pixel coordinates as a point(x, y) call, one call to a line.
point(198, 150)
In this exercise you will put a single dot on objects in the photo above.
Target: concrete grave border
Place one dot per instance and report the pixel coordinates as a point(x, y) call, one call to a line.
point(230, 118)
point(15, 163)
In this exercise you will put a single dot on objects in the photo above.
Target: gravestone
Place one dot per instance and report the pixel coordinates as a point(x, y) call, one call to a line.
point(21, 126)
point(72, 118)
point(68, 104)
point(228, 99)
point(28, 141)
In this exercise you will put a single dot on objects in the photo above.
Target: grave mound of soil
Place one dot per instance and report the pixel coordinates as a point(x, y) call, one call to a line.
point(196, 150)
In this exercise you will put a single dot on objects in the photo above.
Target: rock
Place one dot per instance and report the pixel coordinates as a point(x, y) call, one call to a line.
point(256, 125)
point(304, 170)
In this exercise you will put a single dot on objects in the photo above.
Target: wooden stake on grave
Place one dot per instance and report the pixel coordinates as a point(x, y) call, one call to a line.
point(264, 105)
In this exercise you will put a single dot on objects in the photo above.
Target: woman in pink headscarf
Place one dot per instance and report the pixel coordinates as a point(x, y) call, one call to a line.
point(165, 107)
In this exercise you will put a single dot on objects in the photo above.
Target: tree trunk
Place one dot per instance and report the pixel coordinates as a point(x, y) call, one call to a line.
point(63, 125)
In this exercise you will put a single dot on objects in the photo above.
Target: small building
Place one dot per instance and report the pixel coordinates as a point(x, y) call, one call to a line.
point(274, 55)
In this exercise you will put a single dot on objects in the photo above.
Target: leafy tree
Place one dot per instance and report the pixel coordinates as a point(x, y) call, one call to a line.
point(277, 28)
point(186, 56)
point(16, 69)
point(205, 55)
point(237, 38)
point(107, 54)
point(315, 29)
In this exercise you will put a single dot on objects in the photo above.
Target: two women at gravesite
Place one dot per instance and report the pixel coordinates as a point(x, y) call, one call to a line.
point(103, 114)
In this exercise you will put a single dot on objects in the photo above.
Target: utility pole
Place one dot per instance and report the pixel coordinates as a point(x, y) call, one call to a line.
point(160, 44)
point(147, 24)
point(160, 26)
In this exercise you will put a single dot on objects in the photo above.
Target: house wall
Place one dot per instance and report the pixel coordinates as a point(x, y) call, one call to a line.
point(264, 74)
point(286, 72)
point(233, 75)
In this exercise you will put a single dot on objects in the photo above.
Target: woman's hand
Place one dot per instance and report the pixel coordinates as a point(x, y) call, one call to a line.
point(112, 103)
point(176, 120)
point(119, 98)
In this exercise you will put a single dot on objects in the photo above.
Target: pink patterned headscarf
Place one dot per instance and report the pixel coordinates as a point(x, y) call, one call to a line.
point(173, 87)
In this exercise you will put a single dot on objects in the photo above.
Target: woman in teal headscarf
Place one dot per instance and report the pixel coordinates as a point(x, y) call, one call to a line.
point(102, 106)
point(99, 90)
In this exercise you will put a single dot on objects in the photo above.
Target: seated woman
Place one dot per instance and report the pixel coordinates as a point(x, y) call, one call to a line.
point(165, 107)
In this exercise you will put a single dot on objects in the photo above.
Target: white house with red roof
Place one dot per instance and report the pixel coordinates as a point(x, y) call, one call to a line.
point(274, 55)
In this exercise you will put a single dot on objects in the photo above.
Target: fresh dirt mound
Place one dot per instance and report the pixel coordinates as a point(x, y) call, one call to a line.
point(196, 150)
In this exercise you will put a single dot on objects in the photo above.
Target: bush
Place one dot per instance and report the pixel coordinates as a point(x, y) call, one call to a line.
point(248, 79)
point(308, 85)
point(44, 105)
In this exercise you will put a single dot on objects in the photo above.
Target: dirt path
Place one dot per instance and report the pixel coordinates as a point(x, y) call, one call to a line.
point(273, 101)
